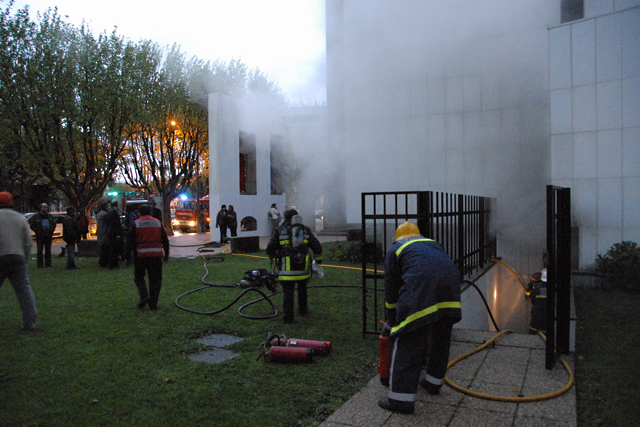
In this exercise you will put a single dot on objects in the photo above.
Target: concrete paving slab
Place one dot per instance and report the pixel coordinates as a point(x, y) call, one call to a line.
point(514, 367)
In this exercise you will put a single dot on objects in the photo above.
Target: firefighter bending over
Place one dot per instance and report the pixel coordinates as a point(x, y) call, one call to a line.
point(422, 298)
point(289, 245)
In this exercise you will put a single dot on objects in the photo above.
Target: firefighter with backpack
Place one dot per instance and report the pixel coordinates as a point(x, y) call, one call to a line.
point(289, 245)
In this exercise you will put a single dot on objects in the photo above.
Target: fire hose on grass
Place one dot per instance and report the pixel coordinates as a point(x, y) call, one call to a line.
point(269, 282)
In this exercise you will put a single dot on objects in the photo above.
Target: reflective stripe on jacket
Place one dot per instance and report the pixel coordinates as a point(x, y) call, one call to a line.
point(422, 285)
point(293, 265)
point(148, 237)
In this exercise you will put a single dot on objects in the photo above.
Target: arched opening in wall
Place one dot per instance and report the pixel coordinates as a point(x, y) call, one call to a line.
point(248, 223)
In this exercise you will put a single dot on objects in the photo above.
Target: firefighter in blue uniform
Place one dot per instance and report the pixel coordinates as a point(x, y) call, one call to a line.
point(422, 299)
point(293, 261)
point(148, 241)
point(537, 293)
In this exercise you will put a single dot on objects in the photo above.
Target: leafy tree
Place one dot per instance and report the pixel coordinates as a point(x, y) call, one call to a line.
point(165, 147)
point(68, 97)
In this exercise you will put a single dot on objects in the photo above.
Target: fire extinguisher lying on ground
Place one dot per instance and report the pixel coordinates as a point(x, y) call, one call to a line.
point(280, 349)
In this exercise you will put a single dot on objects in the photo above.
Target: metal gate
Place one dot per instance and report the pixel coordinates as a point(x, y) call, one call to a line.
point(459, 222)
point(558, 273)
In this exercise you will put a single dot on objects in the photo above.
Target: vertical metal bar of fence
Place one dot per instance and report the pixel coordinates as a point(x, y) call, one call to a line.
point(460, 232)
point(558, 273)
point(564, 271)
point(363, 248)
point(550, 357)
point(459, 223)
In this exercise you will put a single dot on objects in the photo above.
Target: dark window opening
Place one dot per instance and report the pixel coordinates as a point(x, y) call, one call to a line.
point(248, 223)
point(571, 10)
point(247, 163)
point(276, 157)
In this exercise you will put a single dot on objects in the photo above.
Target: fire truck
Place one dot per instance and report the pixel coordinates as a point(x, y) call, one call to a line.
point(186, 214)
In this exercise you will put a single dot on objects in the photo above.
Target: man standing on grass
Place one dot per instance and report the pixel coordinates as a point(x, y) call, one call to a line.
point(148, 241)
point(43, 225)
point(15, 249)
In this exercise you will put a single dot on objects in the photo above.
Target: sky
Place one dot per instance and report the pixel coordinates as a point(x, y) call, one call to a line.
point(283, 38)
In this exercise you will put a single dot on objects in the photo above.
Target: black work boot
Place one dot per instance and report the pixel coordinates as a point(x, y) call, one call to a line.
point(396, 405)
point(431, 388)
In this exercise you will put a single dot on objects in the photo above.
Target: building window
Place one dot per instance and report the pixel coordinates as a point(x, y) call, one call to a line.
point(248, 223)
point(276, 156)
point(248, 175)
point(571, 10)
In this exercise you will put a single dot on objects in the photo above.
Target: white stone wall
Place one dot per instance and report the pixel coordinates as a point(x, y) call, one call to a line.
point(595, 122)
point(447, 96)
point(227, 118)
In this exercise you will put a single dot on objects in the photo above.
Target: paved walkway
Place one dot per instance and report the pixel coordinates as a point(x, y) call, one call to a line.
point(515, 366)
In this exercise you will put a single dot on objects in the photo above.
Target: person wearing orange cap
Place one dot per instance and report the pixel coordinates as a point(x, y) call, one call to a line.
point(15, 249)
point(422, 300)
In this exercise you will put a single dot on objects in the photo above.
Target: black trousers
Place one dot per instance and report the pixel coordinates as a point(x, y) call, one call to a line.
point(153, 267)
point(43, 245)
point(223, 233)
point(104, 256)
point(288, 289)
point(408, 352)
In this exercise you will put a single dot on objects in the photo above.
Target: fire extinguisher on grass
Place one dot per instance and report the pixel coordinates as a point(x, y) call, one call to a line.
point(280, 349)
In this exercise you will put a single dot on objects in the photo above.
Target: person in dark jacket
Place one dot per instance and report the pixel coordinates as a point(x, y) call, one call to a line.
point(148, 240)
point(221, 222)
point(232, 221)
point(422, 300)
point(83, 223)
point(537, 293)
point(102, 234)
point(155, 212)
point(43, 225)
point(293, 262)
point(114, 235)
point(71, 235)
point(130, 217)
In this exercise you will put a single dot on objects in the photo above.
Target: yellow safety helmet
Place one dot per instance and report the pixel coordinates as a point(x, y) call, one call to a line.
point(407, 229)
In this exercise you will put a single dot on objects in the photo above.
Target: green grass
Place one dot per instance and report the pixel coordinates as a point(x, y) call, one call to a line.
point(95, 359)
point(608, 350)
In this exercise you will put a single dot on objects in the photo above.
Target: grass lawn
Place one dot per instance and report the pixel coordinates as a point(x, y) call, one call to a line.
point(96, 359)
point(607, 362)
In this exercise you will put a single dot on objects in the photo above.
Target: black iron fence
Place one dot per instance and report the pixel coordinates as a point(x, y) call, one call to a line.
point(461, 223)
point(558, 273)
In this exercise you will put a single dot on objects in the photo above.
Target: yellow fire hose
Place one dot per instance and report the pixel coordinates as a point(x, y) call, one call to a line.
point(507, 398)
point(464, 356)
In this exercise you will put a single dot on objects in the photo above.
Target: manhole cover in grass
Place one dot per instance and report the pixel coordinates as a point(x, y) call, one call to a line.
point(219, 340)
point(215, 354)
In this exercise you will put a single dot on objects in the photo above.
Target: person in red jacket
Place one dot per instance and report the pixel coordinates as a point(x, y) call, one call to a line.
point(148, 241)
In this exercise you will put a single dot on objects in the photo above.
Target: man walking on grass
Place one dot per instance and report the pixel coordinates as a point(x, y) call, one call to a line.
point(148, 241)
point(15, 249)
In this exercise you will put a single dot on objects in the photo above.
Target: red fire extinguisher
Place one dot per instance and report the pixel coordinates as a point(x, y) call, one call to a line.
point(386, 349)
point(320, 348)
point(288, 354)
point(384, 368)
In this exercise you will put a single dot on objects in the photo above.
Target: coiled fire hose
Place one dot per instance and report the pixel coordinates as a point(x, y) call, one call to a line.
point(518, 399)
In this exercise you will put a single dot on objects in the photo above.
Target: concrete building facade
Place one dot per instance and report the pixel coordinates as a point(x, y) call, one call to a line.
point(492, 98)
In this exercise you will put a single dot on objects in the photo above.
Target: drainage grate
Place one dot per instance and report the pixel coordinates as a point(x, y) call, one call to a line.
point(215, 354)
